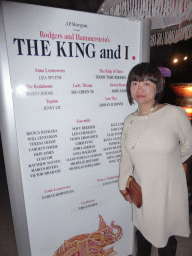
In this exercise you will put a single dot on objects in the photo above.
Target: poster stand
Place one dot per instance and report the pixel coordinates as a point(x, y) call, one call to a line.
point(14, 138)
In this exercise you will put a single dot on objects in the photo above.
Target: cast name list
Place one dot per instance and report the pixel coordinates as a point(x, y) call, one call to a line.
point(42, 147)
point(85, 153)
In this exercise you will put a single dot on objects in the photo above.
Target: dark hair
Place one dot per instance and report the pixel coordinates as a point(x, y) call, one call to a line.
point(146, 72)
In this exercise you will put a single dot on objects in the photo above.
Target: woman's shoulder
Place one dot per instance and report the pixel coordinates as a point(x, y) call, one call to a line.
point(176, 110)
point(129, 118)
point(178, 114)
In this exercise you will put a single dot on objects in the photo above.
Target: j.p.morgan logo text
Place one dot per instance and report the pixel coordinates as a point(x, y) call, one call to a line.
point(74, 24)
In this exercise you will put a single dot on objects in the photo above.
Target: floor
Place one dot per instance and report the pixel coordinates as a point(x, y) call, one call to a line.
point(7, 237)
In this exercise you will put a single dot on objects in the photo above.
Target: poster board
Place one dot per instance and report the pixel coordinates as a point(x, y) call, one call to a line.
point(63, 103)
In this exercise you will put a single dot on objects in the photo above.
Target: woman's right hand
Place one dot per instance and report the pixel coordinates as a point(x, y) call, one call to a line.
point(126, 195)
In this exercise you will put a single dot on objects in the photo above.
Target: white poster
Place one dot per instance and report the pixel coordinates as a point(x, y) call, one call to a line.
point(68, 74)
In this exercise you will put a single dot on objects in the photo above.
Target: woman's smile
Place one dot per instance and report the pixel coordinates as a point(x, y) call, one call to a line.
point(140, 96)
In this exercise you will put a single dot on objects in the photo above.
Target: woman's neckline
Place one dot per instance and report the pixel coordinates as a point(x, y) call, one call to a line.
point(166, 104)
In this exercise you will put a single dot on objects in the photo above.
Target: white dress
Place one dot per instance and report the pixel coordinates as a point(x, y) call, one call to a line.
point(163, 145)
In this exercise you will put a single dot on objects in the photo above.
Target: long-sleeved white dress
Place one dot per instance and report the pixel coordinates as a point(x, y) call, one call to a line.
point(164, 144)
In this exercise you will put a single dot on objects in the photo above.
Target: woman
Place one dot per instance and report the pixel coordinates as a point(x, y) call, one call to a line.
point(156, 140)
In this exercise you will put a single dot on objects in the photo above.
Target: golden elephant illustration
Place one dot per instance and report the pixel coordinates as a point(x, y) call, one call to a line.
point(92, 244)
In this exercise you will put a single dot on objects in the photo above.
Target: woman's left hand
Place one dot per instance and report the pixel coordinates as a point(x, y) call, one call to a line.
point(126, 195)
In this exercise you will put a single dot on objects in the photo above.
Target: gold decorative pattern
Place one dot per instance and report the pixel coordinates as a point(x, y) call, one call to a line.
point(92, 244)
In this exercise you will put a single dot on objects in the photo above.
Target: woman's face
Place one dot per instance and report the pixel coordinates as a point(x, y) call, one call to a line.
point(143, 92)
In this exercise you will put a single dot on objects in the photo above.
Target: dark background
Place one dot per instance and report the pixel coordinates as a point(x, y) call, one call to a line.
point(163, 56)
